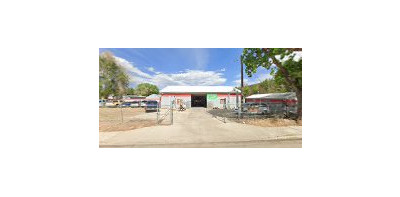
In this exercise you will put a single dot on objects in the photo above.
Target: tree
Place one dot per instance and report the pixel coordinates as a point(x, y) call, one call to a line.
point(145, 89)
point(255, 89)
point(283, 64)
point(130, 91)
point(246, 91)
point(113, 79)
point(272, 86)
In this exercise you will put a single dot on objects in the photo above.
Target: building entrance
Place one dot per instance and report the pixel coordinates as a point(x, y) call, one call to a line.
point(199, 101)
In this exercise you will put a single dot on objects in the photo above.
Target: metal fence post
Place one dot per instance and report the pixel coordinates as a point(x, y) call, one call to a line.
point(239, 112)
point(172, 112)
point(122, 115)
point(158, 114)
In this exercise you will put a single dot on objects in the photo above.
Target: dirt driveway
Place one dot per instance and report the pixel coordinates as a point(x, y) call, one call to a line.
point(196, 126)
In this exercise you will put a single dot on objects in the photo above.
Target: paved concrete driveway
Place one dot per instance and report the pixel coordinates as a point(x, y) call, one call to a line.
point(197, 128)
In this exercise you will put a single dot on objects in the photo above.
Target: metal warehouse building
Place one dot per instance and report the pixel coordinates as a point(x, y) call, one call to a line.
point(201, 96)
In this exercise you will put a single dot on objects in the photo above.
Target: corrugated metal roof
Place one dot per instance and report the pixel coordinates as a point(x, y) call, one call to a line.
point(154, 96)
point(199, 89)
point(286, 95)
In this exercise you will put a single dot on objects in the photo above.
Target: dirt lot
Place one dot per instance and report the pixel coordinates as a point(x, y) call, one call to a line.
point(270, 122)
point(111, 119)
point(195, 127)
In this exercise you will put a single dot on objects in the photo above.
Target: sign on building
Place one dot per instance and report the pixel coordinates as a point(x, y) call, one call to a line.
point(212, 97)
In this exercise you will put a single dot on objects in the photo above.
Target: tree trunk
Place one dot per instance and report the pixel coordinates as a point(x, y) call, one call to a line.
point(298, 90)
point(292, 83)
point(299, 105)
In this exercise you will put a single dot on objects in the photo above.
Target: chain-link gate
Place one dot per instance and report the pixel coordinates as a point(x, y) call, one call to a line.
point(166, 116)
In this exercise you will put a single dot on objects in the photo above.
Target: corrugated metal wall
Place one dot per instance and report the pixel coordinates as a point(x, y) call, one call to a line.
point(167, 98)
point(213, 100)
point(230, 101)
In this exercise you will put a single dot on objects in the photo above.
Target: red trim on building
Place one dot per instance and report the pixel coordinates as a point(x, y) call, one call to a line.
point(181, 95)
point(226, 95)
point(291, 101)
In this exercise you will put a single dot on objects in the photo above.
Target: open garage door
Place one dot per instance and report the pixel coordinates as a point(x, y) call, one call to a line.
point(199, 101)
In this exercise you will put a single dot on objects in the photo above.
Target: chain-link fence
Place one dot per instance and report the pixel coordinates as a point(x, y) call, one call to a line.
point(254, 111)
point(165, 115)
point(123, 117)
point(118, 118)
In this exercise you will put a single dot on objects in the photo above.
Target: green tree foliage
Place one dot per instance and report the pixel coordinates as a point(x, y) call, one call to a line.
point(113, 79)
point(246, 91)
point(146, 89)
point(272, 86)
point(130, 91)
point(286, 69)
point(255, 89)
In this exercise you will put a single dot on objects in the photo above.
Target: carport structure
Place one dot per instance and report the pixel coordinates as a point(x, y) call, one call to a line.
point(286, 97)
point(277, 102)
point(201, 96)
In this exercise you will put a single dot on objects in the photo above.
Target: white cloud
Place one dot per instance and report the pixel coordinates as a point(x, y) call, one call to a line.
point(130, 68)
point(223, 70)
point(263, 77)
point(253, 80)
point(187, 77)
point(297, 56)
point(238, 82)
point(153, 70)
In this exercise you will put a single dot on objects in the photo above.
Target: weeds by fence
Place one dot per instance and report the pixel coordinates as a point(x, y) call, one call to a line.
point(270, 110)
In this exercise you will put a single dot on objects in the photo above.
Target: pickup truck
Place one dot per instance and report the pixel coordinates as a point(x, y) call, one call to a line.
point(151, 106)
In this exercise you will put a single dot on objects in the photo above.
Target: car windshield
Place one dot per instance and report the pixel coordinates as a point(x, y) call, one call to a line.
point(152, 102)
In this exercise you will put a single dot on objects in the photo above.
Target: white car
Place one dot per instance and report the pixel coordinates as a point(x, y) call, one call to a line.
point(102, 102)
point(135, 104)
point(143, 103)
point(109, 104)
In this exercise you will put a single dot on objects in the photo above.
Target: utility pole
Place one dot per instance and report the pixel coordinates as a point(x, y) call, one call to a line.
point(241, 73)
point(241, 86)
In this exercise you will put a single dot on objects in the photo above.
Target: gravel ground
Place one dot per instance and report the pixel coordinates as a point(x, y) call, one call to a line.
point(111, 119)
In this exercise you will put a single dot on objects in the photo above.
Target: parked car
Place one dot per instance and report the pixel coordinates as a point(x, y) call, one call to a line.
point(151, 106)
point(143, 103)
point(117, 102)
point(246, 106)
point(109, 104)
point(102, 102)
point(262, 108)
point(135, 104)
point(256, 108)
point(126, 104)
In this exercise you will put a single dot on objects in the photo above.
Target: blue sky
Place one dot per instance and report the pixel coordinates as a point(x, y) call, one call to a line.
point(183, 66)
